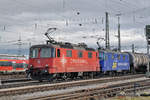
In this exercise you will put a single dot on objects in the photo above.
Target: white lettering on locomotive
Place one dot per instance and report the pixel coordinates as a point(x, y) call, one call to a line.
point(79, 61)
point(63, 61)
point(122, 64)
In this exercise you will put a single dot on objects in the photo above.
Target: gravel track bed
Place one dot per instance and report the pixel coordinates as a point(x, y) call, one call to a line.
point(70, 89)
point(11, 76)
point(32, 83)
point(89, 84)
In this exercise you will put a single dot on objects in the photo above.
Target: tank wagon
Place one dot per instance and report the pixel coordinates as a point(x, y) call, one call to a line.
point(139, 62)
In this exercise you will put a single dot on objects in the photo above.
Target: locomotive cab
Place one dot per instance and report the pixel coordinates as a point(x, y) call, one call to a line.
point(41, 59)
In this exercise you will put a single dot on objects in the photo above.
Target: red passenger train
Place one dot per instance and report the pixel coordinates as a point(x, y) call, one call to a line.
point(62, 60)
point(12, 64)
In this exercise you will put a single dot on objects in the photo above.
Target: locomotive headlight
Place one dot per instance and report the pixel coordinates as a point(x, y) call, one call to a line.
point(31, 66)
point(46, 65)
point(45, 71)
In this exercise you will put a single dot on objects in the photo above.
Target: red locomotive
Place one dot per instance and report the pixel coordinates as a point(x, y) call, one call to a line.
point(63, 60)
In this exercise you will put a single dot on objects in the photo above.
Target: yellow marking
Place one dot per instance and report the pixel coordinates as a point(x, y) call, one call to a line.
point(114, 65)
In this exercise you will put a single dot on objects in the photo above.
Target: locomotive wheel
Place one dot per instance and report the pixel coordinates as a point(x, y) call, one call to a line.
point(73, 75)
point(114, 74)
point(65, 76)
point(110, 73)
point(40, 80)
point(28, 76)
point(92, 75)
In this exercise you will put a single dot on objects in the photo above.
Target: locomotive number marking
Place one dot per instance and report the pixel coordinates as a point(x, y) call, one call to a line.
point(114, 65)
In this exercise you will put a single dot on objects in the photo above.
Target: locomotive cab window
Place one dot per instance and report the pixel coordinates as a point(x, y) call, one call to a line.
point(69, 53)
point(58, 52)
point(106, 57)
point(96, 55)
point(124, 57)
point(47, 52)
point(80, 54)
point(89, 54)
point(118, 56)
point(112, 56)
point(101, 55)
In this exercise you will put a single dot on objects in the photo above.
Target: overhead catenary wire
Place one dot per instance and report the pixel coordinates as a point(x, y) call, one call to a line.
point(86, 24)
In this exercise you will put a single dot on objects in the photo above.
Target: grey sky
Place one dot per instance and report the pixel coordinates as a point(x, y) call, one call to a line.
point(29, 19)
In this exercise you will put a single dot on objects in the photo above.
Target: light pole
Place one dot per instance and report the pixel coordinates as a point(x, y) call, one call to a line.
point(119, 37)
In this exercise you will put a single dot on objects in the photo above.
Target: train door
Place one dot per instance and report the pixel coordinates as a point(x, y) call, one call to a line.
point(101, 60)
point(115, 61)
point(13, 65)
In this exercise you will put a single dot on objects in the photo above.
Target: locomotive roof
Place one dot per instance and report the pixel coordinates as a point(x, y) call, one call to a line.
point(110, 51)
point(65, 45)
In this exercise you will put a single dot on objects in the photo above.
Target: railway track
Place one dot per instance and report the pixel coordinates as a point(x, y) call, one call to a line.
point(64, 85)
point(28, 82)
point(15, 80)
point(21, 83)
point(98, 92)
point(6, 77)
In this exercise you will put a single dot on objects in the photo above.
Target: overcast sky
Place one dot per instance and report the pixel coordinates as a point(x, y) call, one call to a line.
point(76, 21)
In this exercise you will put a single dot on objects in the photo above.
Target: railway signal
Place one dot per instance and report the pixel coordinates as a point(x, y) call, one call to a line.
point(147, 33)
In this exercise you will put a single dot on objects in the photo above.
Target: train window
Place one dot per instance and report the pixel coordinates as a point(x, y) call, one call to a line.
point(34, 53)
point(89, 54)
point(112, 56)
point(96, 54)
point(69, 53)
point(58, 52)
point(5, 63)
point(106, 57)
point(47, 52)
point(101, 55)
point(80, 54)
point(118, 57)
point(19, 65)
point(124, 57)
